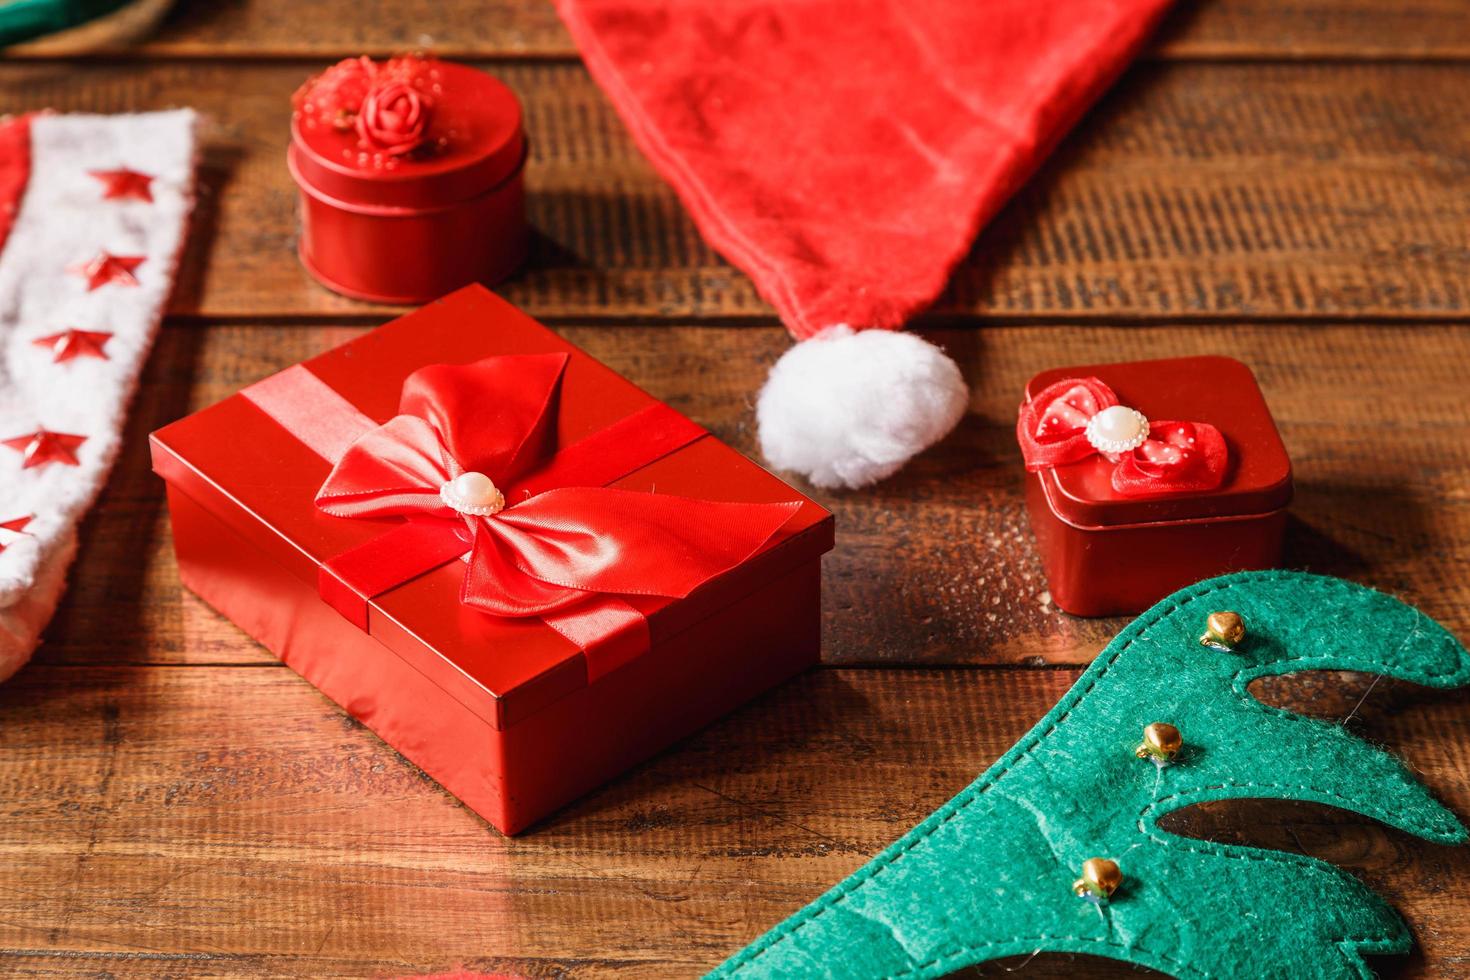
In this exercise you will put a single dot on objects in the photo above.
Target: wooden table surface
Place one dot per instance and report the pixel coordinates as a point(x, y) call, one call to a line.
point(1287, 183)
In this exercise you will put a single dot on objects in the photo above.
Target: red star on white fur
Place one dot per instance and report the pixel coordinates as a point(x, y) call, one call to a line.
point(108, 268)
point(72, 343)
point(124, 185)
point(12, 529)
point(41, 447)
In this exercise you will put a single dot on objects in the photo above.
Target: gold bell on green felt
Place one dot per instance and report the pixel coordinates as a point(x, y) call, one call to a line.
point(1100, 878)
point(1223, 631)
point(1161, 742)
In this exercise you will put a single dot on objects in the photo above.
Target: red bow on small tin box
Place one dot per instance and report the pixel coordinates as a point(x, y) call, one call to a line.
point(1080, 417)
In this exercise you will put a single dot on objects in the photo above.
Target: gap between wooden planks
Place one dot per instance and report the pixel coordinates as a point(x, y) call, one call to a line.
point(936, 566)
point(1309, 192)
point(1194, 191)
point(237, 814)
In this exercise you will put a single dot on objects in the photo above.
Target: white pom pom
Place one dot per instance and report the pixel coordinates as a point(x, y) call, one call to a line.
point(848, 408)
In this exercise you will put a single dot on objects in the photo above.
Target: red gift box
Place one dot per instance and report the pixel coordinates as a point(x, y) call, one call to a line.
point(514, 714)
point(1118, 534)
point(405, 229)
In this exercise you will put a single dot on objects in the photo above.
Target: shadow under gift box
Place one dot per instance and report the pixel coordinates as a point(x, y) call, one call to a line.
point(1109, 554)
point(507, 714)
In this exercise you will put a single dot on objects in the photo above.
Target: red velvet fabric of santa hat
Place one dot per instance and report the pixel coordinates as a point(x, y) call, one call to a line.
point(844, 153)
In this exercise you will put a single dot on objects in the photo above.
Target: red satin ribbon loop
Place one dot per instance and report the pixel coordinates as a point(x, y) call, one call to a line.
point(1177, 457)
point(565, 546)
point(1052, 428)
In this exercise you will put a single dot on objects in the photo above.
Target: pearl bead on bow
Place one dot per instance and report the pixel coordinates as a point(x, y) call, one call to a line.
point(473, 494)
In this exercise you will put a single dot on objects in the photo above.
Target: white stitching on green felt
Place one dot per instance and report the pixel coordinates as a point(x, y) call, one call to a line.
point(1142, 629)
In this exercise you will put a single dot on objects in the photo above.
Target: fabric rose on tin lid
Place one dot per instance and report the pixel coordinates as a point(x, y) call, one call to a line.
point(393, 118)
point(388, 104)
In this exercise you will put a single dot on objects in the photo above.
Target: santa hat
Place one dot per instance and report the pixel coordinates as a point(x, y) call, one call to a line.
point(845, 153)
point(92, 218)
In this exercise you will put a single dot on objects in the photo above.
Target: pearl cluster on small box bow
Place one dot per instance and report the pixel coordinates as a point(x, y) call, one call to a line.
point(1117, 430)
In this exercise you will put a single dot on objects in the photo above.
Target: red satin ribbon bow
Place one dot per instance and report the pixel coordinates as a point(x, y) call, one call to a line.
point(545, 551)
point(1176, 457)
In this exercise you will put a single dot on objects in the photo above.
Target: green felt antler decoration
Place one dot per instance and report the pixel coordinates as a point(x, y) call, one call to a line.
point(991, 873)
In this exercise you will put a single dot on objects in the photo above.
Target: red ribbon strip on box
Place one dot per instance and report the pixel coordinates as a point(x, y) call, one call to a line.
point(564, 547)
point(1177, 457)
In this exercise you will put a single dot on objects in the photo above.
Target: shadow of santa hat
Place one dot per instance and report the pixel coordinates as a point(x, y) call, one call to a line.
point(844, 154)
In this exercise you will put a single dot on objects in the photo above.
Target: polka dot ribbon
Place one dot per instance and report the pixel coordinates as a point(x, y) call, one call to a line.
point(1080, 418)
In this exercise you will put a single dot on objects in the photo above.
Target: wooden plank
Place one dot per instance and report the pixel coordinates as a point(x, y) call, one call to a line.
point(232, 822)
point(1315, 29)
point(529, 28)
point(1196, 191)
point(936, 565)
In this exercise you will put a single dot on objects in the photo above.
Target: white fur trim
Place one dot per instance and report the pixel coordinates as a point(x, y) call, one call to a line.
point(63, 221)
point(848, 408)
point(21, 622)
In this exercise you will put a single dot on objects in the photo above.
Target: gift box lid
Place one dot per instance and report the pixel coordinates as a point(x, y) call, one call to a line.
point(473, 139)
point(1218, 390)
point(244, 467)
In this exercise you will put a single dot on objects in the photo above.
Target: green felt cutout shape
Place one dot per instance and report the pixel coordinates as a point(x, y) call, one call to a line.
point(990, 873)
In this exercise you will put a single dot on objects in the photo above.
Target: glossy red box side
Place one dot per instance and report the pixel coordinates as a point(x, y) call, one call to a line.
point(505, 713)
point(408, 255)
point(517, 775)
point(1107, 555)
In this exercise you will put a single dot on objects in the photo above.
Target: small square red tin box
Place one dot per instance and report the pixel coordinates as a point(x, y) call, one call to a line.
point(1146, 476)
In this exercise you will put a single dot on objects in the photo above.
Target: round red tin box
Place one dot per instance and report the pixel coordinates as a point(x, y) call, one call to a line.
point(394, 226)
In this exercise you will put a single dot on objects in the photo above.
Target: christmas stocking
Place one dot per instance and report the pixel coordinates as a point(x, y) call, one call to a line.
point(844, 153)
point(92, 219)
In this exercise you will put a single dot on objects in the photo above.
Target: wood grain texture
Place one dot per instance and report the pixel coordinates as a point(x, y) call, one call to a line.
point(1202, 191)
point(175, 803)
point(938, 564)
point(530, 29)
point(158, 822)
